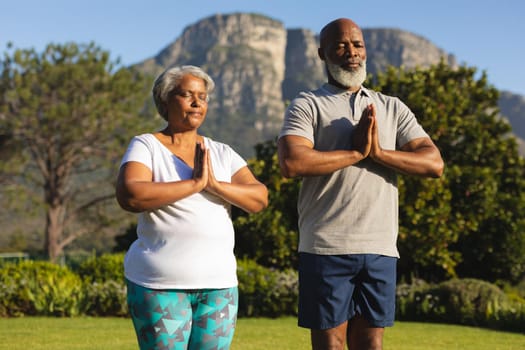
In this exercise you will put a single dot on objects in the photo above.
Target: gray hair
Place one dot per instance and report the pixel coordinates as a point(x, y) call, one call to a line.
point(169, 80)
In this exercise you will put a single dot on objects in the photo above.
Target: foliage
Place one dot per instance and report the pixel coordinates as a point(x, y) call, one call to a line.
point(104, 285)
point(270, 237)
point(42, 288)
point(266, 292)
point(100, 269)
point(460, 301)
point(474, 216)
point(66, 114)
point(105, 298)
point(39, 288)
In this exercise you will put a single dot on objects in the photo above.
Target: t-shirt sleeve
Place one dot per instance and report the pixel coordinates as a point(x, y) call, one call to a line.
point(408, 126)
point(299, 119)
point(138, 151)
point(237, 162)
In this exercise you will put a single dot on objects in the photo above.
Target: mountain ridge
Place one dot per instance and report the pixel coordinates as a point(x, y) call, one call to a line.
point(259, 65)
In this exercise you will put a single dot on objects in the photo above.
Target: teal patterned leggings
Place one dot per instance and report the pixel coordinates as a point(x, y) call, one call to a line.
point(173, 319)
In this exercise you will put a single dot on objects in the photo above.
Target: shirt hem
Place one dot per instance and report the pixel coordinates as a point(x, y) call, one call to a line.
point(181, 286)
point(332, 251)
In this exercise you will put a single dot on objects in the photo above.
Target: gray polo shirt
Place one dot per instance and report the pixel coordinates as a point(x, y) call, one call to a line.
point(353, 210)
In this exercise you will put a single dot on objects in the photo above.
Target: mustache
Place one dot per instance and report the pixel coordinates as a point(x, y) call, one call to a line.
point(361, 63)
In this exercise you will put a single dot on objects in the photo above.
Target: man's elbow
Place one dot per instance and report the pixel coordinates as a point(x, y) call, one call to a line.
point(288, 169)
point(437, 169)
point(285, 173)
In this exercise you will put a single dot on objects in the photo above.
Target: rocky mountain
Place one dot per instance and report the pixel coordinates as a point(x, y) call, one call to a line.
point(258, 66)
point(512, 107)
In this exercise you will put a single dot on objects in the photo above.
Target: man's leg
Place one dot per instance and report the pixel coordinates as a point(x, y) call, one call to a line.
point(329, 339)
point(362, 336)
point(375, 303)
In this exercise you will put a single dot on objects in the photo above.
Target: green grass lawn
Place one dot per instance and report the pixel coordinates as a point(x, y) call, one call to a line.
point(40, 333)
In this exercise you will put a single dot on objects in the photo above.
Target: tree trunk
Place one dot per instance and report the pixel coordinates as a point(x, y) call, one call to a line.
point(54, 230)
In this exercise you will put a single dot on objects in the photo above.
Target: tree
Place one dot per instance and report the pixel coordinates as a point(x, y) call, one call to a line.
point(470, 222)
point(66, 114)
point(270, 237)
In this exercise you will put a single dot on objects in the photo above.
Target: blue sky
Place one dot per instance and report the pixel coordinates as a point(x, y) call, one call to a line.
point(484, 34)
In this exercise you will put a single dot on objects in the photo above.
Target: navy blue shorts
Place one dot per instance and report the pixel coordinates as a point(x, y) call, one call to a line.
point(335, 288)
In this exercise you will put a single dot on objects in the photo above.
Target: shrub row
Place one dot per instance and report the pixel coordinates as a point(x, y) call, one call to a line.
point(461, 301)
point(96, 287)
point(39, 288)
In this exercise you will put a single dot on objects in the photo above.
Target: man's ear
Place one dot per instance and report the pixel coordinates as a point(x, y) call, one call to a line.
point(320, 53)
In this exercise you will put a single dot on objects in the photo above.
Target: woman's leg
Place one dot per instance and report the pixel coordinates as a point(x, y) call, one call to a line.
point(214, 319)
point(162, 318)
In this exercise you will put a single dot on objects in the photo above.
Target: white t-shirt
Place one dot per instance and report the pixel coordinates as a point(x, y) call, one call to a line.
point(187, 244)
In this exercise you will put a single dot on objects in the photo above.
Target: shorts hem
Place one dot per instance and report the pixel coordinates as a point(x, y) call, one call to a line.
point(381, 324)
point(373, 323)
point(323, 326)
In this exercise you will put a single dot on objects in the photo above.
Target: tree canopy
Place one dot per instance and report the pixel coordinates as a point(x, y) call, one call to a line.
point(66, 115)
point(474, 215)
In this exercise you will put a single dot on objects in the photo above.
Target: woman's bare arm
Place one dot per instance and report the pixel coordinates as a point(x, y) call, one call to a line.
point(136, 191)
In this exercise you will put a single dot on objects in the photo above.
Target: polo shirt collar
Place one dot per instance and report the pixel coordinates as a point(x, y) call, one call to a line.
point(337, 90)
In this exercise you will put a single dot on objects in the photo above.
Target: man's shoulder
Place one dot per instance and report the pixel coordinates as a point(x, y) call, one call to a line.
point(379, 96)
point(313, 95)
point(374, 93)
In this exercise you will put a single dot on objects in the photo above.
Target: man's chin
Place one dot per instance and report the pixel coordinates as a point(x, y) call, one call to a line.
point(347, 77)
point(349, 83)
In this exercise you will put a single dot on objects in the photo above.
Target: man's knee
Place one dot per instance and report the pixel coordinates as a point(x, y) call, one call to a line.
point(361, 335)
point(329, 339)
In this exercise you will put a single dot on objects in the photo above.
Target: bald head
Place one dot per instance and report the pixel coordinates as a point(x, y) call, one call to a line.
point(335, 28)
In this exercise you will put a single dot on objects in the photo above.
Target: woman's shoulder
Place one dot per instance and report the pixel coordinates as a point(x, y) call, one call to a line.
point(146, 138)
point(216, 145)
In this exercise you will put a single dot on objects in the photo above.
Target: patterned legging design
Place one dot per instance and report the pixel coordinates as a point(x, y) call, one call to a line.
point(174, 319)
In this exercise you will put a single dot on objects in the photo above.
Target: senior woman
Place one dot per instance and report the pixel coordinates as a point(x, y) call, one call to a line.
point(181, 271)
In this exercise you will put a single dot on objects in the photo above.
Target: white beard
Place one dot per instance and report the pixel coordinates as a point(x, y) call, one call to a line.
point(347, 78)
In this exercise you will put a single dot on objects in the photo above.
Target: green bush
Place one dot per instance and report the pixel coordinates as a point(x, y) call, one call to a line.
point(469, 301)
point(11, 303)
point(460, 301)
point(97, 288)
point(105, 286)
point(107, 267)
point(106, 299)
point(39, 288)
point(266, 292)
point(408, 297)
